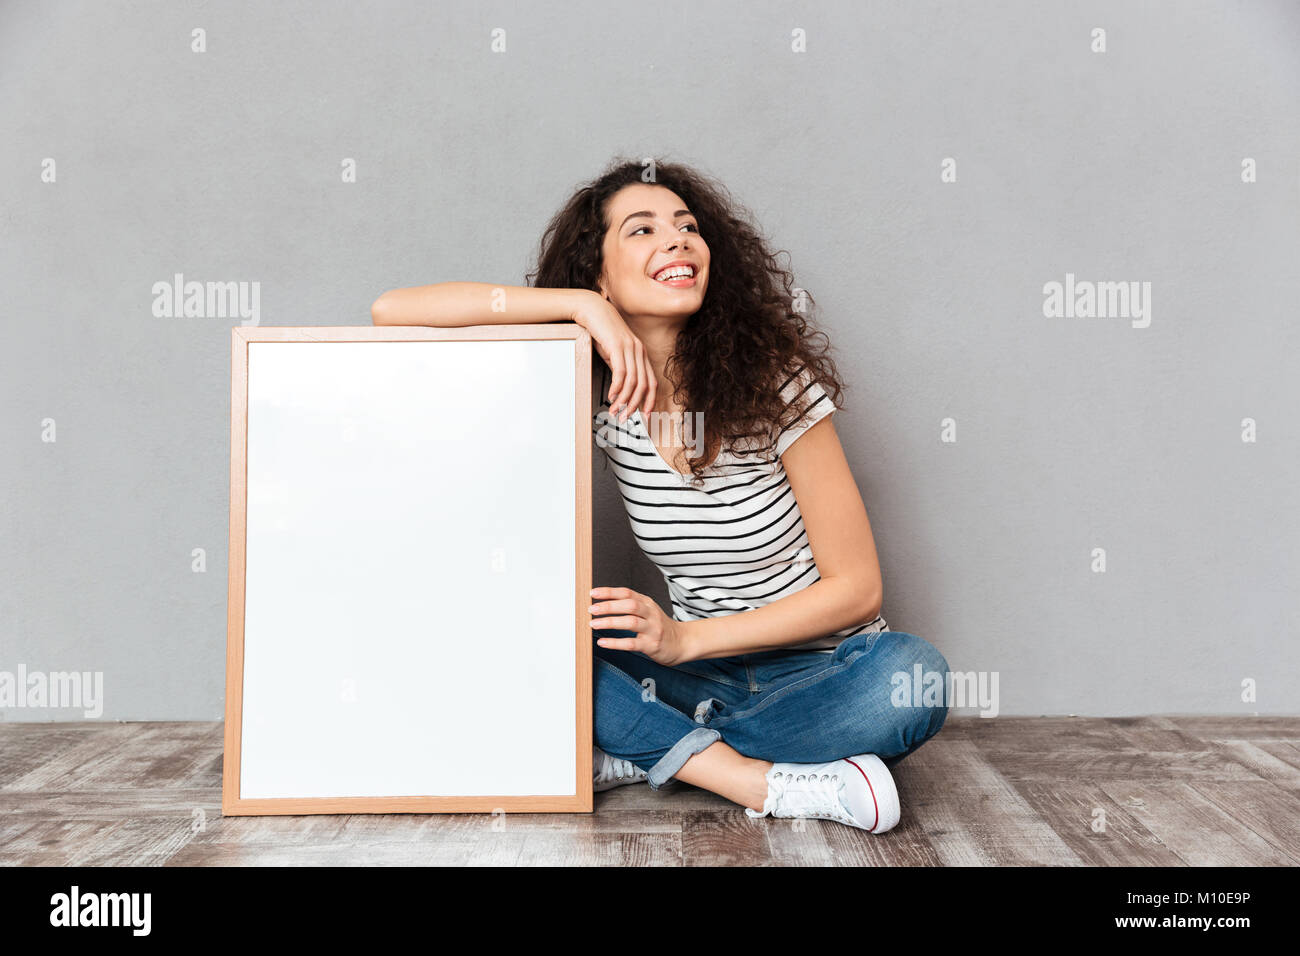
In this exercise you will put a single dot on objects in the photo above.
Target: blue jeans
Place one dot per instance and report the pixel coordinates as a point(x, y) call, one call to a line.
point(791, 706)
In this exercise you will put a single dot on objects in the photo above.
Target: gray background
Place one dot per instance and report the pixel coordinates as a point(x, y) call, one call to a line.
point(1072, 433)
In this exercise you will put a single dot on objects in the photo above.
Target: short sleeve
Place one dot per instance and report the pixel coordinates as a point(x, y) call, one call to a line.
point(803, 390)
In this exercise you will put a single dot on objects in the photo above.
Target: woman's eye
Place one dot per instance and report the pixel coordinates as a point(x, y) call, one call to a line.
point(689, 225)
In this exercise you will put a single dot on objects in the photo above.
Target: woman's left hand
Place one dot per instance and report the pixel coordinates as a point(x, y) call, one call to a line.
point(659, 637)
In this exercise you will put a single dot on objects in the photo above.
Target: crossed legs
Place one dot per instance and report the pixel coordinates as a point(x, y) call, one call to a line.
point(703, 724)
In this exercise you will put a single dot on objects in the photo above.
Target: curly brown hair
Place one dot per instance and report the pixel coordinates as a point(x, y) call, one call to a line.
point(732, 357)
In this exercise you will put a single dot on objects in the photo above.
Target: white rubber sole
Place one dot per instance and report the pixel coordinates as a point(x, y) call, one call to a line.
point(611, 784)
point(884, 795)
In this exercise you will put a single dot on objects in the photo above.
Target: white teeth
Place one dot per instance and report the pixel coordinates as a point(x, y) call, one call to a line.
point(677, 272)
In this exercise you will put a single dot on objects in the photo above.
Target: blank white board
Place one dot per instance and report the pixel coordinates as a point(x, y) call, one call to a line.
point(413, 566)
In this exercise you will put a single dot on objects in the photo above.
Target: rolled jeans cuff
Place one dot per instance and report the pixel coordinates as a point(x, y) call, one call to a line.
point(680, 752)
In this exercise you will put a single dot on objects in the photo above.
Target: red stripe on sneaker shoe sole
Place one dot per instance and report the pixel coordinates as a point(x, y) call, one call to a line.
point(873, 795)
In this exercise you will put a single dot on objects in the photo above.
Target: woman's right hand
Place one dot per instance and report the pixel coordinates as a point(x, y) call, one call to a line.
point(634, 384)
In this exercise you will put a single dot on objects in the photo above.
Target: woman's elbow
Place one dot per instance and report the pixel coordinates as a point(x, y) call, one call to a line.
point(875, 600)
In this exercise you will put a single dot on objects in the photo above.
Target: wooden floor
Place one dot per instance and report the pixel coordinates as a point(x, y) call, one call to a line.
point(1059, 791)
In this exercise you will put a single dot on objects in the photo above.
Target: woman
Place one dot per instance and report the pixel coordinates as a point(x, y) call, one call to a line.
point(774, 681)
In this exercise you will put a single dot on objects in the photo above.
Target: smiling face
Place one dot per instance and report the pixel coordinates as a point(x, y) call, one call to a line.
point(650, 228)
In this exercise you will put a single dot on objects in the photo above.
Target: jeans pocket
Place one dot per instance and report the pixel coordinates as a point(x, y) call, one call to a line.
point(854, 647)
point(720, 670)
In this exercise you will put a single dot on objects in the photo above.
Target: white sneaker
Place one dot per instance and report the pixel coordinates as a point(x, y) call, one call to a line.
point(857, 790)
point(609, 772)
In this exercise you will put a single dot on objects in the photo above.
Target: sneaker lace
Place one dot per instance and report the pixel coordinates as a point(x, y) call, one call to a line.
point(612, 768)
point(808, 794)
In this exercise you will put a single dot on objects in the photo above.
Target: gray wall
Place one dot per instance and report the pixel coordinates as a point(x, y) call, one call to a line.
point(1071, 433)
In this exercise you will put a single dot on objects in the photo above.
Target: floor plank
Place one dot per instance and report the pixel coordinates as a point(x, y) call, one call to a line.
point(1055, 791)
point(1195, 828)
point(1099, 831)
point(975, 816)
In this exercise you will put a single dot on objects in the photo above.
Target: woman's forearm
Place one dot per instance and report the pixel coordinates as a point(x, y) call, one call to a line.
point(454, 304)
point(822, 608)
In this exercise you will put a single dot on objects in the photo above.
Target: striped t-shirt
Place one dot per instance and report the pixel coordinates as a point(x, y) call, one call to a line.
point(737, 542)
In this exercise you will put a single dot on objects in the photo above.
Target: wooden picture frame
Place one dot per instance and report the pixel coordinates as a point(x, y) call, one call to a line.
point(444, 678)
